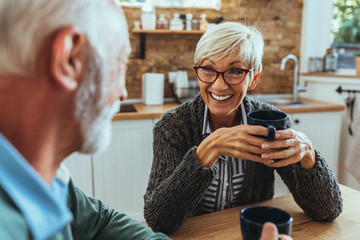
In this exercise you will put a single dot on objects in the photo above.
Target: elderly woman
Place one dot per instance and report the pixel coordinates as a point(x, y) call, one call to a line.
point(206, 157)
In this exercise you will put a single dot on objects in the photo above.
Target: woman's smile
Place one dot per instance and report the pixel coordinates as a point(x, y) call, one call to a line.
point(221, 98)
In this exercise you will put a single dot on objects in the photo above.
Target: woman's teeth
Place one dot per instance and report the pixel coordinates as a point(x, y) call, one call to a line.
point(220, 98)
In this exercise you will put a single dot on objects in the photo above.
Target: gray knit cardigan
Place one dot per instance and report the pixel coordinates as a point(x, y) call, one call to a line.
point(177, 180)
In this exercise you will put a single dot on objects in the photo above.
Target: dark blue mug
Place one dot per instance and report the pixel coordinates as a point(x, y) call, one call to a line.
point(273, 120)
point(253, 218)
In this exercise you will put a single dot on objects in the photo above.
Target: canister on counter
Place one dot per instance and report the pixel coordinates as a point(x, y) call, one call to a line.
point(315, 64)
point(330, 61)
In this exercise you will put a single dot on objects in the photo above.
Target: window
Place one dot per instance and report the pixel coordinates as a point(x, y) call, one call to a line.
point(346, 30)
point(346, 21)
point(215, 4)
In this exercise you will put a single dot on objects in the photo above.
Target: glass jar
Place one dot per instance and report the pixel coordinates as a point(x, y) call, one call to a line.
point(195, 24)
point(203, 22)
point(312, 64)
point(162, 23)
point(188, 21)
point(330, 61)
point(176, 23)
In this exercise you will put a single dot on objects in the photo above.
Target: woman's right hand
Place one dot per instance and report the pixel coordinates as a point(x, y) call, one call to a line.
point(239, 142)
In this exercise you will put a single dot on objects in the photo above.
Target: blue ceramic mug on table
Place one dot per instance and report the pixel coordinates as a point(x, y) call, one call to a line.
point(253, 218)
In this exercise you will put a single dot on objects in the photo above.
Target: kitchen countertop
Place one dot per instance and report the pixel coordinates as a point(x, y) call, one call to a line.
point(341, 77)
point(155, 111)
point(145, 111)
point(332, 75)
point(312, 106)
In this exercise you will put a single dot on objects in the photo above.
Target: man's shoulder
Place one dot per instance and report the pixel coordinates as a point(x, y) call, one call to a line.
point(12, 222)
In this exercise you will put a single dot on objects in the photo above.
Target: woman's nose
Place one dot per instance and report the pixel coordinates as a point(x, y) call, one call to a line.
point(220, 83)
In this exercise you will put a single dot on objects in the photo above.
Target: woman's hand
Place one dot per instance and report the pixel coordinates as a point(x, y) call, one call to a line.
point(240, 142)
point(289, 146)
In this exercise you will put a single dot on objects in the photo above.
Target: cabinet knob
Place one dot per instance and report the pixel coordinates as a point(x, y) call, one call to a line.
point(296, 121)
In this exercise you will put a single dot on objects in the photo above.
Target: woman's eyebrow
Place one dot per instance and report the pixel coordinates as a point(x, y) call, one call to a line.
point(207, 59)
point(232, 63)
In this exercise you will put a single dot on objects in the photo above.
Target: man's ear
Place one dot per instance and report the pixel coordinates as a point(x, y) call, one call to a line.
point(67, 57)
point(254, 81)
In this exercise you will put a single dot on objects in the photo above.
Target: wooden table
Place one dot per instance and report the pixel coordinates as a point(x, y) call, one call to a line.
point(226, 224)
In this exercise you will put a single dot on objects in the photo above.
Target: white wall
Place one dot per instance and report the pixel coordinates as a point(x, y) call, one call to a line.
point(316, 29)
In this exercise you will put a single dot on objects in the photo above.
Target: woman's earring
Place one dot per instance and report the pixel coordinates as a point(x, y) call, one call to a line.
point(250, 87)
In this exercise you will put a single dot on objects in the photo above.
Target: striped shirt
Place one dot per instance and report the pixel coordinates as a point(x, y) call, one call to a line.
point(223, 192)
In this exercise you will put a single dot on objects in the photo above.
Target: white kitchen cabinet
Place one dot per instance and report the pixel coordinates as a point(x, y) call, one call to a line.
point(121, 173)
point(323, 130)
point(81, 168)
point(323, 88)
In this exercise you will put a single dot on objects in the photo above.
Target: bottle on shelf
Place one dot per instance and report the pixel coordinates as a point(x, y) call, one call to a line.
point(183, 19)
point(203, 22)
point(162, 23)
point(189, 21)
point(195, 24)
point(176, 23)
point(330, 60)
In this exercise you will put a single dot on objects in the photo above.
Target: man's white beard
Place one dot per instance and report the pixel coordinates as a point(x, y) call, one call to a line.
point(97, 133)
point(92, 113)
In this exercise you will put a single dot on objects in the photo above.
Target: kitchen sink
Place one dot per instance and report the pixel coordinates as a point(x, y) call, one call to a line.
point(283, 102)
point(278, 100)
point(127, 107)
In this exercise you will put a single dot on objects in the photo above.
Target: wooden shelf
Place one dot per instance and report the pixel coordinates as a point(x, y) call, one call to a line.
point(167, 31)
point(159, 31)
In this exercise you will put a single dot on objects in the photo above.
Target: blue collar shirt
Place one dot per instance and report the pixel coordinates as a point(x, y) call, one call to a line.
point(42, 205)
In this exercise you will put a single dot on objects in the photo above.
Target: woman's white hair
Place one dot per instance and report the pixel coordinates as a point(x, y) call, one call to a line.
point(26, 24)
point(231, 40)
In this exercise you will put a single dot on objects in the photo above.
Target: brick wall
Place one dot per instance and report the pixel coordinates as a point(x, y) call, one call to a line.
point(279, 20)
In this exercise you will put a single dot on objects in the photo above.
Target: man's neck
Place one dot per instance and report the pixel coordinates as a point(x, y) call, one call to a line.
point(32, 123)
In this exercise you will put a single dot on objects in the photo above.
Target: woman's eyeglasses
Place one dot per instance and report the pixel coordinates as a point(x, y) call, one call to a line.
point(232, 76)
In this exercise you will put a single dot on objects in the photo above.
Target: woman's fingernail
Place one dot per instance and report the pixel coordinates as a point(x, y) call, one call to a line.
point(265, 145)
point(268, 163)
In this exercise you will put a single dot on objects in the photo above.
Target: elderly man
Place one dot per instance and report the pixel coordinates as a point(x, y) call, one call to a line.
point(62, 66)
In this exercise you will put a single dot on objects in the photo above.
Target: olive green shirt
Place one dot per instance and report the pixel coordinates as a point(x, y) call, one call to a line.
point(91, 220)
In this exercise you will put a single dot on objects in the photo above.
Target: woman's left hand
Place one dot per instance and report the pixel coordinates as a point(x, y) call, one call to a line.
point(289, 146)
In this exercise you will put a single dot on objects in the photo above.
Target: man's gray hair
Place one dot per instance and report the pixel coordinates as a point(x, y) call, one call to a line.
point(26, 24)
point(231, 40)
